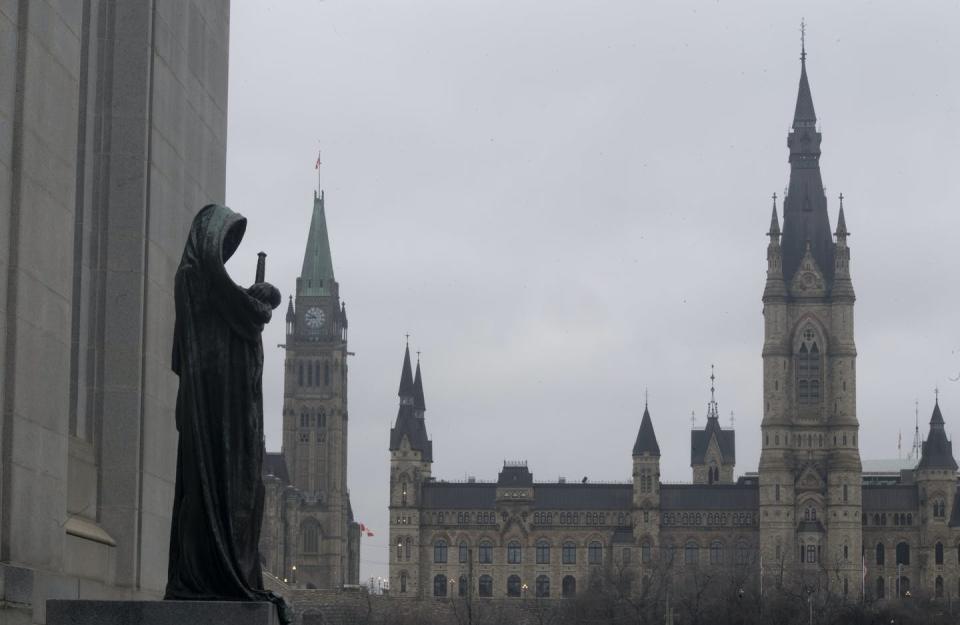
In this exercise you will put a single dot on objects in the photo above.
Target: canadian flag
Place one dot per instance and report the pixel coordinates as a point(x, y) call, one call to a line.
point(366, 530)
point(317, 164)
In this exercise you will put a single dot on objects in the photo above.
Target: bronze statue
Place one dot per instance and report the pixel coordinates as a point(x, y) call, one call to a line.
point(218, 355)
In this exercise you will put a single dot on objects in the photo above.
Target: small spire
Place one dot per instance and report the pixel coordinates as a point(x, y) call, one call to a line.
point(804, 115)
point(841, 222)
point(290, 316)
point(406, 376)
point(419, 404)
point(712, 412)
point(646, 442)
point(803, 40)
point(774, 220)
point(646, 398)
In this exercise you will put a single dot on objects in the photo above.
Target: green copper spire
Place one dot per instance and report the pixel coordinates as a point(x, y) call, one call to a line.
point(316, 277)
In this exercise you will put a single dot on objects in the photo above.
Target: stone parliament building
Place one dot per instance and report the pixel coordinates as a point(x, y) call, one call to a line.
point(309, 538)
point(809, 514)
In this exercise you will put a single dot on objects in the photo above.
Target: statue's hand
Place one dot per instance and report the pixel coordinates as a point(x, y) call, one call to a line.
point(266, 293)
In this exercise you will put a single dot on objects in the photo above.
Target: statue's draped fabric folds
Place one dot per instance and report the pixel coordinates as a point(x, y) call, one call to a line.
point(218, 354)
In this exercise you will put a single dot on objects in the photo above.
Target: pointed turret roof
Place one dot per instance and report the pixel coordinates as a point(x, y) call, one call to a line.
point(646, 442)
point(290, 316)
point(937, 449)
point(316, 275)
point(841, 222)
point(803, 114)
point(410, 424)
point(774, 220)
point(406, 376)
point(805, 218)
point(419, 405)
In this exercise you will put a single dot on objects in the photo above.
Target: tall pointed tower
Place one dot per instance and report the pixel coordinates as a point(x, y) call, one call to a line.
point(411, 460)
point(810, 463)
point(315, 413)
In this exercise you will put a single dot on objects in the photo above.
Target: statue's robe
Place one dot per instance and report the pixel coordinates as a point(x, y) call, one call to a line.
point(218, 355)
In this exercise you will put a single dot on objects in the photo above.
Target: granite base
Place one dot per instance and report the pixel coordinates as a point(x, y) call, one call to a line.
point(73, 612)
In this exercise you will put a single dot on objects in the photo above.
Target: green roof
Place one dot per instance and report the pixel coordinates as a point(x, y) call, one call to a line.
point(316, 277)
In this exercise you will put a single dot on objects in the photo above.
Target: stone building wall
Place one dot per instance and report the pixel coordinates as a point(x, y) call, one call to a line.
point(112, 136)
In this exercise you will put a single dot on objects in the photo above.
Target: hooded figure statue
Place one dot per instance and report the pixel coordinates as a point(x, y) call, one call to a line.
point(218, 355)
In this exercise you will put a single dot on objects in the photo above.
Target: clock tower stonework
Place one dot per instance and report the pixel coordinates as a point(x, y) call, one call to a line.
point(317, 531)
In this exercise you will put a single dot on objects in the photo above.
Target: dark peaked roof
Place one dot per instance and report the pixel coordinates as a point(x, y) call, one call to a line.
point(410, 422)
point(804, 114)
point(646, 438)
point(515, 475)
point(937, 449)
point(415, 429)
point(276, 465)
point(406, 376)
point(805, 218)
point(744, 496)
point(889, 497)
point(316, 275)
point(418, 402)
point(290, 315)
point(700, 440)
point(552, 496)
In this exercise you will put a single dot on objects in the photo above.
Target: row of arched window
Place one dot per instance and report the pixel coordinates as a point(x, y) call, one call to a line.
point(896, 518)
point(310, 374)
point(514, 552)
point(313, 418)
point(809, 441)
point(903, 553)
point(902, 585)
point(716, 552)
point(442, 587)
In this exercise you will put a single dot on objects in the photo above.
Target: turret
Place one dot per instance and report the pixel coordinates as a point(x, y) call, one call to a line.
point(411, 458)
point(712, 449)
point(646, 485)
point(842, 285)
point(291, 317)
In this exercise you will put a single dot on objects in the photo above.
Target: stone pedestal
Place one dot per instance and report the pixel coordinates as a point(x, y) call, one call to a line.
point(72, 612)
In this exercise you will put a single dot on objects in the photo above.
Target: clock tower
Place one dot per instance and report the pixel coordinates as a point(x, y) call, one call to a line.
point(315, 413)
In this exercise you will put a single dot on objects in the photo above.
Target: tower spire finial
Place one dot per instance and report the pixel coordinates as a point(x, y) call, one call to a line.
point(646, 397)
point(803, 40)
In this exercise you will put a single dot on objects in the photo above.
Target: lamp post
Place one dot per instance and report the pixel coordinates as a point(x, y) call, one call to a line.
point(523, 589)
point(293, 574)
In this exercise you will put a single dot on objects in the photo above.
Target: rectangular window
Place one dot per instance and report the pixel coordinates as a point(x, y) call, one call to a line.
point(569, 553)
point(463, 552)
point(626, 555)
point(485, 553)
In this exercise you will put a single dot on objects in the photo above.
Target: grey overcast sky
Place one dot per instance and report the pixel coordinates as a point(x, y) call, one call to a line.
point(565, 202)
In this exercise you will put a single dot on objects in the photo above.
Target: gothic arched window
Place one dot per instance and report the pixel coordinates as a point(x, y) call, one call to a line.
point(716, 552)
point(513, 552)
point(569, 552)
point(543, 552)
point(326, 374)
point(939, 587)
point(880, 554)
point(881, 588)
point(462, 586)
point(543, 586)
point(808, 369)
point(403, 582)
point(903, 553)
point(309, 374)
point(440, 551)
point(938, 553)
point(513, 586)
point(440, 586)
point(569, 586)
point(486, 586)
point(595, 553)
point(316, 374)
point(311, 536)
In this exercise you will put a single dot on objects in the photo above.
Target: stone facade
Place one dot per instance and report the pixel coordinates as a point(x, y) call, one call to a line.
point(810, 517)
point(112, 136)
point(309, 537)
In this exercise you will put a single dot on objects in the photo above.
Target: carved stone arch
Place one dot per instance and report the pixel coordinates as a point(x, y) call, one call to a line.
point(515, 522)
point(596, 536)
point(796, 333)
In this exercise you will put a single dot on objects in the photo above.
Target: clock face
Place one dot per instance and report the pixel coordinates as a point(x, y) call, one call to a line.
point(314, 318)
